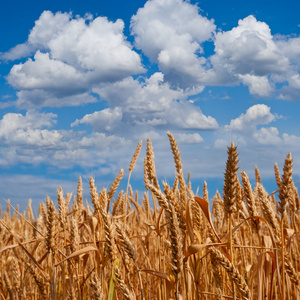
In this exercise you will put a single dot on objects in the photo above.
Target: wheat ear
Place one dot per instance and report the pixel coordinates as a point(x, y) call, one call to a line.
point(96, 288)
point(235, 275)
point(79, 197)
point(115, 185)
point(122, 286)
point(135, 156)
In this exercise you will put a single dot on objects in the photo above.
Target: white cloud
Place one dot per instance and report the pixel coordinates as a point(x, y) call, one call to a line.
point(170, 33)
point(48, 26)
point(151, 104)
point(291, 140)
point(17, 52)
point(258, 144)
point(27, 131)
point(220, 144)
point(249, 49)
point(294, 81)
point(258, 85)
point(67, 56)
point(190, 138)
point(44, 73)
point(255, 115)
point(30, 139)
point(71, 57)
point(105, 119)
point(290, 47)
point(31, 99)
point(267, 136)
point(248, 53)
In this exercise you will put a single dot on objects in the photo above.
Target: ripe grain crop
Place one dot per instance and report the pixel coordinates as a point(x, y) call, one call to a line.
point(164, 244)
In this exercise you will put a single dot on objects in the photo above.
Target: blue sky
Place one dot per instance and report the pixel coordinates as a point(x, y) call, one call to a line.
point(83, 81)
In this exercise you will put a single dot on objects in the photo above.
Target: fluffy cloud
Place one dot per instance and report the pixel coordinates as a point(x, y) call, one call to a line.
point(46, 74)
point(290, 47)
point(255, 115)
point(170, 33)
point(71, 56)
point(30, 139)
point(105, 119)
point(258, 85)
point(67, 57)
point(295, 81)
point(291, 140)
point(190, 138)
point(249, 49)
point(26, 139)
point(267, 136)
point(27, 131)
point(247, 129)
point(75, 61)
point(144, 106)
point(258, 144)
point(249, 53)
point(31, 99)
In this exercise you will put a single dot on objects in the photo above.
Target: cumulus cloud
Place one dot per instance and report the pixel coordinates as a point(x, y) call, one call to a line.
point(295, 81)
point(258, 85)
point(71, 56)
point(267, 136)
point(31, 139)
point(29, 130)
point(290, 47)
point(249, 53)
point(170, 33)
point(148, 105)
point(37, 98)
point(249, 130)
point(249, 48)
point(190, 138)
point(67, 56)
point(292, 139)
point(44, 73)
point(105, 119)
point(28, 138)
point(255, 115)
point(258, 143)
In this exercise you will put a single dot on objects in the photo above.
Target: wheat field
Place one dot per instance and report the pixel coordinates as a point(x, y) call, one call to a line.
point(165, 244)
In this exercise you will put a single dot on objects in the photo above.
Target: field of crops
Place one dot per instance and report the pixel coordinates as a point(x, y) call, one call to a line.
point(165, 244)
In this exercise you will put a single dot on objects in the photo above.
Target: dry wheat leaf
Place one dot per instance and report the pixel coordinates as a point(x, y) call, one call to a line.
point(189, 222)
point(77, 253)
point(205, 208)
point(194, 248)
